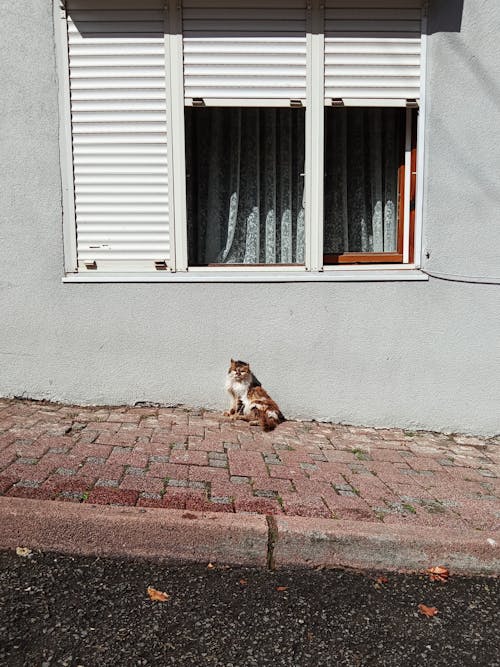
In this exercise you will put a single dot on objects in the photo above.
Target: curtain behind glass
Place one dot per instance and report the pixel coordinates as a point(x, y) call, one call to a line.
point(363, 151)
point(245, 185)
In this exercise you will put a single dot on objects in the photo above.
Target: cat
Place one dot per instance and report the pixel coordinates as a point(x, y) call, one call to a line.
point(249, 401)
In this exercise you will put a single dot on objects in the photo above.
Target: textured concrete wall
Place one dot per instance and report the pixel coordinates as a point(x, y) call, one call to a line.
point(409, 354)
point(462, 214)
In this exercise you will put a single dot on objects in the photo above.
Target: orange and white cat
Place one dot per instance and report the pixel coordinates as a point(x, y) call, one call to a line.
point(249, 401)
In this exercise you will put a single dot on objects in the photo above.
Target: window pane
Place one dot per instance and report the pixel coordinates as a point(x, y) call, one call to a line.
point(245, 185)
point(364, 151)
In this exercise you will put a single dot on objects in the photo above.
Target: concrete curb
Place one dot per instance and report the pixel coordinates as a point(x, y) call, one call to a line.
point(366, 545)
point(104, 530)
point(241, 539)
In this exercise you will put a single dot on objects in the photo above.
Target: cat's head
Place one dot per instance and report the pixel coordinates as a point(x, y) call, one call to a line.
point(239, 370)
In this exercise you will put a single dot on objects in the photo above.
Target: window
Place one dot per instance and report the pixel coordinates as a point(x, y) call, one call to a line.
point(245, 186)
point(270, 133)
point(365, 155)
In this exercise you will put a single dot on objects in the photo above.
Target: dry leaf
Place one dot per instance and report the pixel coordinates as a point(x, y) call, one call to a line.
point(310, 636)
point(280, 589)
point(438, 573)
point(23, 551)
point(427, 611)
point(158, 596)
point(382, 580)
point(210, 566)
point(243, 582)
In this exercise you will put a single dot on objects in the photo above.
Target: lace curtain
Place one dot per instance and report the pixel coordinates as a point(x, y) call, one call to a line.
point(245, 185)
point(363, 150)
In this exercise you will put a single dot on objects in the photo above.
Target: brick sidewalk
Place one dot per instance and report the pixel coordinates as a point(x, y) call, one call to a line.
point(190, 459)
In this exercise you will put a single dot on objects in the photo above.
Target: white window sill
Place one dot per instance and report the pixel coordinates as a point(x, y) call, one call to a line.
point(328, 276)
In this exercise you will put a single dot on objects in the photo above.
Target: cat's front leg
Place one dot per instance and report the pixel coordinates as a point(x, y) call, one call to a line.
point(235, 405)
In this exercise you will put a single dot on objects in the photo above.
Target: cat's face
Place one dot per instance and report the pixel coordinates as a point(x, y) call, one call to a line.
point(239, 370)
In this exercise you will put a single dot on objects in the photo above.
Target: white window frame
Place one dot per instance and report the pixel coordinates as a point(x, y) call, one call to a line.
point(313, 270)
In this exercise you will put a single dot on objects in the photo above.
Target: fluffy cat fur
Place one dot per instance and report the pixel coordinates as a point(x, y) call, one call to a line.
point(249, 401)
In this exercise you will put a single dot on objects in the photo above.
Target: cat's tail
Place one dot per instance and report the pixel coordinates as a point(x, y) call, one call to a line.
point(269, 419)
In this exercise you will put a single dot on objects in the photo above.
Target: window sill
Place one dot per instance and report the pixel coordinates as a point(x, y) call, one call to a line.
point(328, 276)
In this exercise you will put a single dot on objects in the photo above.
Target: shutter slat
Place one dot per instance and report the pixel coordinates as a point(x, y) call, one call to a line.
point(118, 116)
point(121, 94)
point(118, 105)
point(252, 50)
point(93, 182)
point(372, 49)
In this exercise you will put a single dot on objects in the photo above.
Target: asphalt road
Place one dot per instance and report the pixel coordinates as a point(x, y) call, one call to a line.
point(59, 610)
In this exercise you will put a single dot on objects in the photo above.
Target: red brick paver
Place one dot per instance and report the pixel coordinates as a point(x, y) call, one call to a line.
point(192, 459)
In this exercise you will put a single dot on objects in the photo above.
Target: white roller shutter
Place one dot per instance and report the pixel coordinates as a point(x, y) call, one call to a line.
point(372, 49)
point(254, 49)
point(118, 111)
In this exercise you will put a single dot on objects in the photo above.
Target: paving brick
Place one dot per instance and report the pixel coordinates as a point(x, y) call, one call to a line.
point(307, 487)
point(295, 458)
point(6, 481)
point(326, 472)
point(217, 463)
point(149, 484)
point(217, 456)
point(167, 438)
point(107, 482)
point(272, 484)
point(385, 454)
point(31, 493)
point(258, 505)
point(6, 439)
point(105, 496)
point(207, 444)
point(55, 441)
point(235, 479)
point(123, 418)
point(208, 474)
point(370, 488)
point(36, 473)
point(189, 458)
point(128, 458)
point(287, 472)
point(184, 499)
point(299, 505)
point(349, 507)
point(34, 449)
point(246, 463)
point(7, 457)
point(220, 489)
point(170, 470)
point(58, 483)
point(85, 449)
point(137, 472)
point(264, 447)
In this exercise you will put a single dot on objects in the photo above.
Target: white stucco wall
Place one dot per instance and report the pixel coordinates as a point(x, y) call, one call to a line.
point(407, 354)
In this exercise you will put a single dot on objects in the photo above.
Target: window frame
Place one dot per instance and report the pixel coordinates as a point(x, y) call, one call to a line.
point(406, 207)
point(397, 266)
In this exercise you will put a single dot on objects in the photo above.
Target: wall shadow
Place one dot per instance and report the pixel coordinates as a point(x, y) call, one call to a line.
point(444, 16)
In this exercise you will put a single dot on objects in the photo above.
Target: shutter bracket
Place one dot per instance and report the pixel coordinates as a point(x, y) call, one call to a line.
point(411, 104)
point(296, 103)
point(198, 102)
point(91, 265)
point(161, 265)
point(337, 102)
